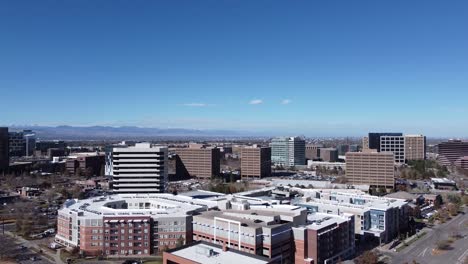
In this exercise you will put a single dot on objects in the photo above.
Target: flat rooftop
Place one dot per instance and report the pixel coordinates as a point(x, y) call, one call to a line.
point(213, 254)
point(320, 220)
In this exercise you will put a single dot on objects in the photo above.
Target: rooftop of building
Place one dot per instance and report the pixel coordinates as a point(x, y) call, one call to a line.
point(442, 180)
point(247, 218)
point(401, 195)
point(127, 205)
point(370, 202)
point(319, 220)
point(206, 253)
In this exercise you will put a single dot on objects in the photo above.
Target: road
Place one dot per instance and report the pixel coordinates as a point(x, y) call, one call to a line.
point(421, 250)
point(47, 257)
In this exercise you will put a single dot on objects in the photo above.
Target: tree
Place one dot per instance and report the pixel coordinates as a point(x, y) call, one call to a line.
point(180, 242)
point(453, 208)
point(368, 257)
point(437, 204)
point(443, 244)
point(8, 248)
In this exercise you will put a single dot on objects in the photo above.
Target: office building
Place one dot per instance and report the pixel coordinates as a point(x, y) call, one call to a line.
point(200, 161)
point(255, 162)
point(379, 217)
point(342, 149)
point(4, 149)
point(325, 239)
point(126, 224)
point(44, 146)
point(452, 150)
point(312, 152)
point(394, 144)
point(329, 154)
point(371, 168)
point(365, 143)
point(415, 147)
point(353, 148)
point(263, 232)
point(29, 142)
point(17, 144)
point(139, 169)
point(86, 163)
point(207, 253)
point(462, 163)
point(374, 139)
point(288, 151)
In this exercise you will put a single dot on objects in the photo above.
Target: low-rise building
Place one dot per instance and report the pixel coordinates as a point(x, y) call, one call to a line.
point(443, 184)
point(374, 216)
point(325, 239)
point(127, 224)
point(207, 253)
point(266, 233)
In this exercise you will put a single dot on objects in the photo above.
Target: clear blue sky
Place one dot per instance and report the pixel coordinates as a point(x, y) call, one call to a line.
point(299, 67)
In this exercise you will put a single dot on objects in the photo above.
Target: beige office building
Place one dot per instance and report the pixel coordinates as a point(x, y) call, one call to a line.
point(371, 168)
point(255, 162)
point(365, 143)
point(199, 161)
point(415, 147)
point(329, 154)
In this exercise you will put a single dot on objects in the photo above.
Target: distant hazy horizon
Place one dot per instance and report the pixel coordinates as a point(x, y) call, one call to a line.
point(317, 68)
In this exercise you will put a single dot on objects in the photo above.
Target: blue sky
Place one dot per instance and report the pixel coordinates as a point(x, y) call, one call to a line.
point(299, 67)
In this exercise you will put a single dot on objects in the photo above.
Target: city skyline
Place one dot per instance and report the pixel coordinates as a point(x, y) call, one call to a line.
point(311, 69)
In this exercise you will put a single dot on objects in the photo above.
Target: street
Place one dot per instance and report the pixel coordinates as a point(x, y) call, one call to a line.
point(421, 250)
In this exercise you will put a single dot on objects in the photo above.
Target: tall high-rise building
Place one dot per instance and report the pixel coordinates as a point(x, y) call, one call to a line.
point(138, 169)
point(200, 161)
point(452, 150)
point(371, 168)
point(288, 151)
point(312, 152)
point(4, 148)
point(17, 144)
point(29, 142)
point(365, 143)
point(395, 144)
point(374, 139)
point(415, 147)
point(329, 154)
point(255, 162)
point(342, 149)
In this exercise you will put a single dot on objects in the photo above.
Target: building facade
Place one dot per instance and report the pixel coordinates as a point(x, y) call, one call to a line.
point(142, 168)
point(415, 147)
point(312, 152)
point(374, 139)
point(452, 150)
point(326, 239)
point(257, 232)
point(371, 168)
point(329, 154)
point(89, 164)
point(378, 217)
point(255, 162)
point(126, 224)
point(394, 144)
point(199, 161)
point(288, 151)
point(4, 148)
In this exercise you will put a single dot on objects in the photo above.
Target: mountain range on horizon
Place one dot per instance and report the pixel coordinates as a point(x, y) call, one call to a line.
point(66, 132)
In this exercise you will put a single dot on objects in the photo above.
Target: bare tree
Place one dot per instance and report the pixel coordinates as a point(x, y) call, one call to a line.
point(8, 247)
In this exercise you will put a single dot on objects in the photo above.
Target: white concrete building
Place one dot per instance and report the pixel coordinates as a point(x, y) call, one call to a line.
point(139, 169)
